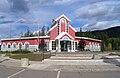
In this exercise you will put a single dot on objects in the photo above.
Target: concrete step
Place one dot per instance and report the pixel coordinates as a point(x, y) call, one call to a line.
point(69, 58)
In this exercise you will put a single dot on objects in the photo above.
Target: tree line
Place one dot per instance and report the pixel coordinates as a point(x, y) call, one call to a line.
point(108, 43)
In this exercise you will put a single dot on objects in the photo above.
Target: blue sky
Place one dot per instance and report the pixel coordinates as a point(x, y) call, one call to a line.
point(18, 16)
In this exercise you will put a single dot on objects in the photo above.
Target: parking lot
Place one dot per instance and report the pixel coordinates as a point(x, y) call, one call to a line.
point(10, 72)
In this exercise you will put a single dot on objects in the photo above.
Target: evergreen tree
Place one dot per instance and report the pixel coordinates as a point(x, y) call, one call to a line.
point(48, 28)
point(43, 31)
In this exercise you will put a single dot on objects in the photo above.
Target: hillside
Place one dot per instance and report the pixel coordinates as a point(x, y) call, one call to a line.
point(113, 32)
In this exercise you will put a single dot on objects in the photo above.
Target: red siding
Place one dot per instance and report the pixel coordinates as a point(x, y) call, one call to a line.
point(63, 27)
point(53, 33)
point(31, 41)
point(71, 32)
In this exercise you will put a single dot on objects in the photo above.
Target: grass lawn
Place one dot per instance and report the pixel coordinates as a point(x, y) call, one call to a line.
point(31, 57)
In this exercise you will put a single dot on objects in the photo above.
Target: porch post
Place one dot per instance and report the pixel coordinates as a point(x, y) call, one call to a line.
point(71, 46)
point(74, 46)
point(59, 50)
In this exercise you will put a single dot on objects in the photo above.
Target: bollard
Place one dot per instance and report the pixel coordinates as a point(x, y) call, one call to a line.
point(93, 57)
point(24, 62)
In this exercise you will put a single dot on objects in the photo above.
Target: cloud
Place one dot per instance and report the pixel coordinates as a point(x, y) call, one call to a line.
point(18, 6)
point(100, 15)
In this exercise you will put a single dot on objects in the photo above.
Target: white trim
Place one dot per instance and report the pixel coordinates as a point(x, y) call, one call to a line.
point(25, 38)
point(13, 44)
point(8, 44)
point(63, 16)
point(72, 28)
point(52, 28)
point(4, 44)
point(89, 38)
point(66, 37)
point(25, 45)
point(62, 34)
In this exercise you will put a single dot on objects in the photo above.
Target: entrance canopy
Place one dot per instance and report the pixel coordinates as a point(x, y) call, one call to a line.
point(64, 36)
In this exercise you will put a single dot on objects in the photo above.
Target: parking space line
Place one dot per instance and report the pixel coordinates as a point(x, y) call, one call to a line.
point(58, 74)
point(16, 73)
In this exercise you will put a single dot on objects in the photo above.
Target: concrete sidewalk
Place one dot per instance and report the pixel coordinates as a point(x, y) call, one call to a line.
point(69, 65)
point(76, 65)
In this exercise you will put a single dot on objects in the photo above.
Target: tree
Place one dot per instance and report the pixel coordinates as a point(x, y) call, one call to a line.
point(109, 47)
point(43, 31)
point(48, 28)
point(53, 23)
point(81, 45)
point(42, 45)
point(27, 34)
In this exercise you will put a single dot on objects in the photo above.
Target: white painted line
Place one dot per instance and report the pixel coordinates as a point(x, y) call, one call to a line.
point(58, 75)
point(16, 73)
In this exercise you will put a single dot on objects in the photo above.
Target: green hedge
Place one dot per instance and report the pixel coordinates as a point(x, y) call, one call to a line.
point(20, 52)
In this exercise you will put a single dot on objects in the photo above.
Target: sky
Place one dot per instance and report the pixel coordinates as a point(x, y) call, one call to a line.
point(18, 16)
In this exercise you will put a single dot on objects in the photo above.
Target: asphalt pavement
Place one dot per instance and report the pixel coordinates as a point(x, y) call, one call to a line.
point(12, 72)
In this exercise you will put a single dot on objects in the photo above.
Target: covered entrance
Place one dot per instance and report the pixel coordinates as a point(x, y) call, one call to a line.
point(65, 46)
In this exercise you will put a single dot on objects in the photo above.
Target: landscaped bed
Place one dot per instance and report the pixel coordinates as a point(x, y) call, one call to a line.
point(31, 57)
point(26, 54)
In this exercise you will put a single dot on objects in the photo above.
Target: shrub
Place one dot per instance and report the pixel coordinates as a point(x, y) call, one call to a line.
point(21, 52)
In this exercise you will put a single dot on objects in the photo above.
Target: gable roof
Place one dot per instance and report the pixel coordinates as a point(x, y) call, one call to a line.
point(89, 39)
point(62, 34)
point(58, 19)
point(63, 16)
point(72, 28)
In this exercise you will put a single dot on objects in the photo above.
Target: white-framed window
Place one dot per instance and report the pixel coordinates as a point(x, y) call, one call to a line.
point(9, 45)
point(14, 45)
point(3, 45)
point(20, 45)
point(63, 21)
point(58, 28)
point(26, 44)
point(67, 25)
point(53, 45)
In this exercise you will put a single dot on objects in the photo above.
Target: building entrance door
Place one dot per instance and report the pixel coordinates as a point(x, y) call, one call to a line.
point(65, 45)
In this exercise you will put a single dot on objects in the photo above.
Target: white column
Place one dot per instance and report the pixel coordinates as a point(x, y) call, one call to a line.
point(59, 47)
point(72, 46)
point(50, 45)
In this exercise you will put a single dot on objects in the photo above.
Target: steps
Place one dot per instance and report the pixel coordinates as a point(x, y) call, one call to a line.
point(77, 56)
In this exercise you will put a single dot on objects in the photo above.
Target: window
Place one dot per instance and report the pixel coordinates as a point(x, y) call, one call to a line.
point(53, 45)
point(58, 28)
point(76, 46)
point(63, 20)
point(3, 45)
point(8, 45)
point(67, 24)
point(26, 45)
point(20, 45)
point(14, 45)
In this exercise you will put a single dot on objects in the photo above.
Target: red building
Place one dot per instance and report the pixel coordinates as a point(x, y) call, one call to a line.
point(61, 37)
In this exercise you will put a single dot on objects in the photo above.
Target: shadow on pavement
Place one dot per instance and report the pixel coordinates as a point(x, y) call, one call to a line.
point(111, 61)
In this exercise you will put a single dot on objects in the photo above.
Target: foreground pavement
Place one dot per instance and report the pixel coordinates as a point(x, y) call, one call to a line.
point(12, 72)
point(61, 69)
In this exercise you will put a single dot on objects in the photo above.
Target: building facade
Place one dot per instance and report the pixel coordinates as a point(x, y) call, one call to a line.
point(61, 37)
